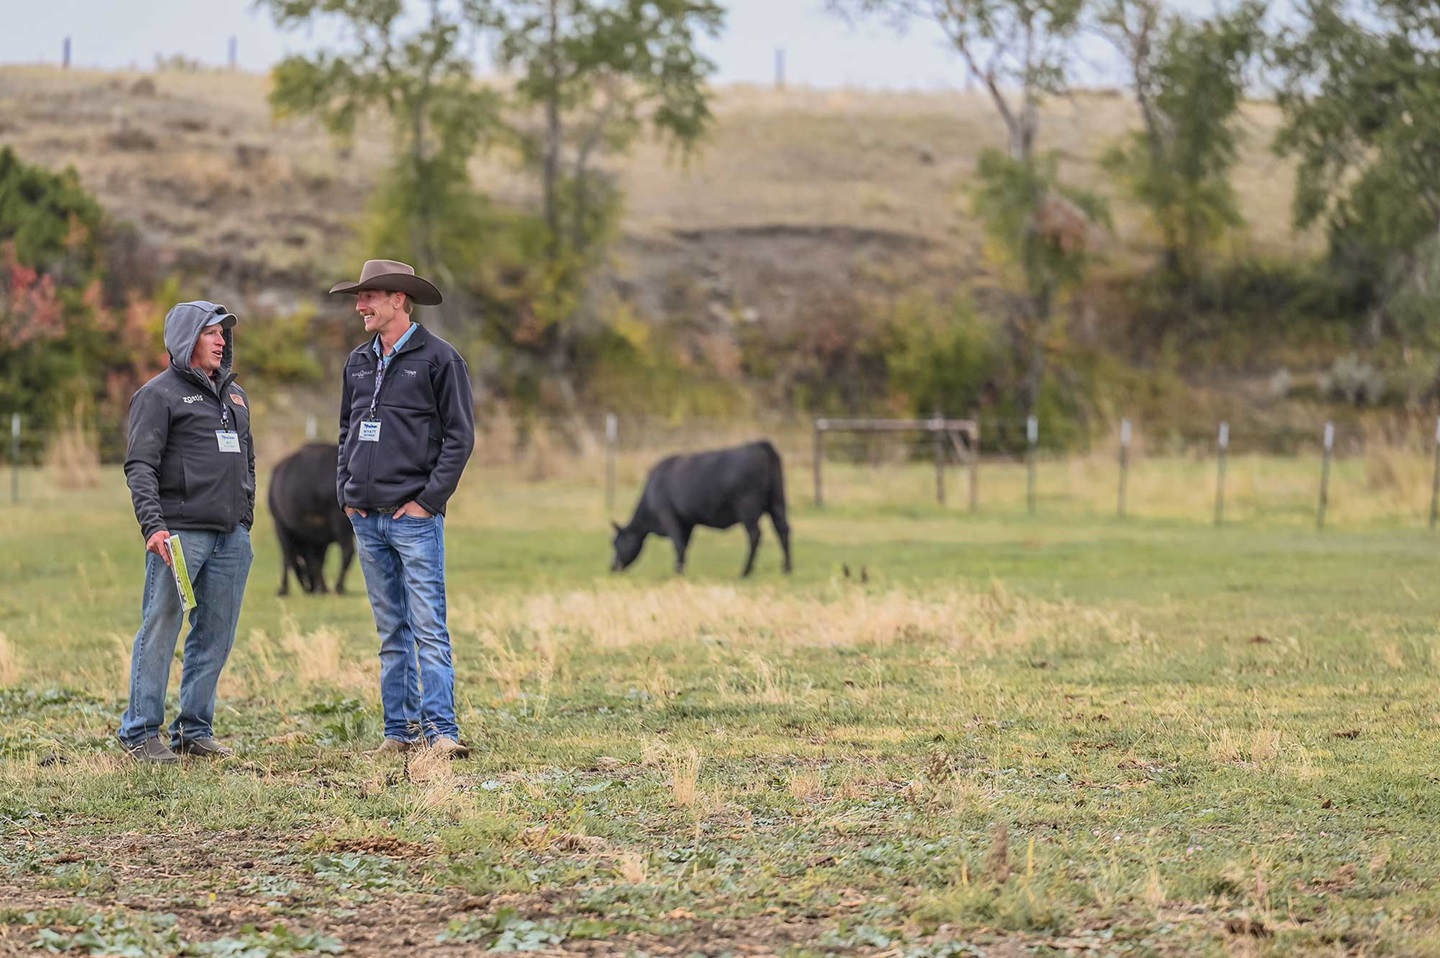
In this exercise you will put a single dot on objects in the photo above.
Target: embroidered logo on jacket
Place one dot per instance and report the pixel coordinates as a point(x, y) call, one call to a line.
point(195, 398)
point(237, 399)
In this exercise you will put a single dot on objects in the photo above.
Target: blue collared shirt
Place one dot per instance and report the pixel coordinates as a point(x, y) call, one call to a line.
point(379, 353)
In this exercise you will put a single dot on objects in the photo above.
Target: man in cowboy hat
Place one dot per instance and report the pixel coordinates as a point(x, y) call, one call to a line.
point(407, 425)
point(191, 471)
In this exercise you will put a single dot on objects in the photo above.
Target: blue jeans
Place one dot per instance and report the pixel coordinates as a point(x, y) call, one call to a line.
point(219, 564)
point(404, 564)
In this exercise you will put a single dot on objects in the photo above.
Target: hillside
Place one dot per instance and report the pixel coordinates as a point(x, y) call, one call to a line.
point(794, 190)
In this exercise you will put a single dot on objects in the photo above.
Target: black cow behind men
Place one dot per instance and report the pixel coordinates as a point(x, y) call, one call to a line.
point(715, 489)
point(307, 517)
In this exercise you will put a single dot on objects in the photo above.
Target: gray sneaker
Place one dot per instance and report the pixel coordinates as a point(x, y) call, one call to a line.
point(151, 751)
point(205, 748)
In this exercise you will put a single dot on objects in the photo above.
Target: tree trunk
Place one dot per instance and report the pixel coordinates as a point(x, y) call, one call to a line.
point(1035, 381)
point(551, 172)
point(560, 376)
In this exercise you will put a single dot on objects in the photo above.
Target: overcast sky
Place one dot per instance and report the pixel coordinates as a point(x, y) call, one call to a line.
point(819, 50)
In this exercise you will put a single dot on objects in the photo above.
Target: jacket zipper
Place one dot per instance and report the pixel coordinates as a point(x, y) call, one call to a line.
point(375, 361)
point(237, 484)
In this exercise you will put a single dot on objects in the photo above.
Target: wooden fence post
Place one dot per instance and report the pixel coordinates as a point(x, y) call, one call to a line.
point(1435, 480)
point(1124, 466)
point(1222, 450)
point(14, 457)
point(1329, 443)
point(1032, 437)
point(612, 434)
point(819, 457)
point(937, 427)
point(975, 467)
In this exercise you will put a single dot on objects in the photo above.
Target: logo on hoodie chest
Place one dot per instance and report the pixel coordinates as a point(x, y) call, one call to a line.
point(195, 398)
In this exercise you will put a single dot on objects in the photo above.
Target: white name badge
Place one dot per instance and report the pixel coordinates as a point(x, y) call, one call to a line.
point(228, 440)
point(370, 430)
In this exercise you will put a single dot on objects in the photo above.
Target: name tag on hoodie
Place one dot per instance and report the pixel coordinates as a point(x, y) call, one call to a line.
point(370, 430)
point(228, 440)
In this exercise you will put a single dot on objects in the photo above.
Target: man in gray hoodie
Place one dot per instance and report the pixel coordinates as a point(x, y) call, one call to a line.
point(191, 472)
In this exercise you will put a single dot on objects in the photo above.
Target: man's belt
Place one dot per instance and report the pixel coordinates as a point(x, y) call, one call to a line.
point(385, 510)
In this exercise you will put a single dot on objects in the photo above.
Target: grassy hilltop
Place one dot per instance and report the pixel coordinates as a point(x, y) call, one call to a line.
point(795, 193)
point(768, 265)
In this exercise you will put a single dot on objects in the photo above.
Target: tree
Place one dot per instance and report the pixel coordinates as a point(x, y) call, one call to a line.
point(417, 74)
point(589, 76)
point(593, 73)
point(1360, 84)
point(1189, 81)
point(63, 344)
point(1019, 53)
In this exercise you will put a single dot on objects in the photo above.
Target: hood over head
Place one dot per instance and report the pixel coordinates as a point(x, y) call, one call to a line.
point(182, 330)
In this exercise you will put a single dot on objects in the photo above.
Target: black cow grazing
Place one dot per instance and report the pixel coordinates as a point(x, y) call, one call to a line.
point(715, 489)
point(307, 517)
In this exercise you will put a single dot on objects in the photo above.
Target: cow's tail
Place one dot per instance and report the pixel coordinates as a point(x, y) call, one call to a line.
point(777, 487)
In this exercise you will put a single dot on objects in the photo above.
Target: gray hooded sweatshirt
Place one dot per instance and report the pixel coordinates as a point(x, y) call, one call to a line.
point(179, 476)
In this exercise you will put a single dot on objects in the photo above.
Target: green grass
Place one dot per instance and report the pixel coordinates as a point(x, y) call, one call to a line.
point(1143, 736)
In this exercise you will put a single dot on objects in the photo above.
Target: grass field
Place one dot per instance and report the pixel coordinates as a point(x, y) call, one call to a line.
point(1067, 734)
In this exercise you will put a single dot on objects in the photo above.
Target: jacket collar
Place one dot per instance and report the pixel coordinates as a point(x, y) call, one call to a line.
point(418, 338)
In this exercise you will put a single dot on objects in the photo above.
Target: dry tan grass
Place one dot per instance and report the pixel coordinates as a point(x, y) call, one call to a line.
point(971, 623)
point(124, 646)
point(806, 785)
point(632, 868)
point(315, 656)
point(684, 768)
point(11, 671)
point(73, 454)
point(1262, 748)
point(253, 671)
point(660, 687)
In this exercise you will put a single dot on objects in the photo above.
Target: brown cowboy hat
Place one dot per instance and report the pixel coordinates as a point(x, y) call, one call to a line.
point(389, 276)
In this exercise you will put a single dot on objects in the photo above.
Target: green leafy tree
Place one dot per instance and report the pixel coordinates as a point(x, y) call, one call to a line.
point(416, 73)
point(1189, 82)
point(1360, 84)
point(65, 343)
point(1019, 52)
point(591, 77)
point(1044, 229)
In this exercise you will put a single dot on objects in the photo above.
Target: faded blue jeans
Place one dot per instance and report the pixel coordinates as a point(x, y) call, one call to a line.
point(404, 564)
point(219, 563)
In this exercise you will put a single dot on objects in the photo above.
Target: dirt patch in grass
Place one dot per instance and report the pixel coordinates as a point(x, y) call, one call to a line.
point(201, 887)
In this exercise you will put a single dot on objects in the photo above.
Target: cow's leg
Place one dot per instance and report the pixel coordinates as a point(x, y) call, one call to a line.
point(287, 559)
point(680, 536)
point(347, 555)
point(302, 572)
point(317, 567)
point(752, 529)
point(782, 529)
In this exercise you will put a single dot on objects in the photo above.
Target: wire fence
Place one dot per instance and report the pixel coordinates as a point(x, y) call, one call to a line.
point(1320, 475)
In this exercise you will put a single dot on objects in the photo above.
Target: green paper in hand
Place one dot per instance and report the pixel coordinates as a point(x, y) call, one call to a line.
point(182, 574)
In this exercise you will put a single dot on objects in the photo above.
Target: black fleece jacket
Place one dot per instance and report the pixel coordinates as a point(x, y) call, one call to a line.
point(178, 477)
point(427, 426)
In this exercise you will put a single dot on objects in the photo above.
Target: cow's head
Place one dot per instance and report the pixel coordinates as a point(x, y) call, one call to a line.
point(627, 545)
